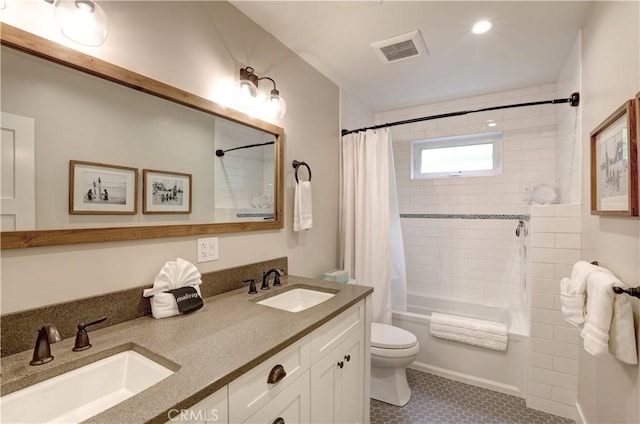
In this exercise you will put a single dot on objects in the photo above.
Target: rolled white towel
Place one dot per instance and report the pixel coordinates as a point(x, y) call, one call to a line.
point(173, 275)
point(487, 334)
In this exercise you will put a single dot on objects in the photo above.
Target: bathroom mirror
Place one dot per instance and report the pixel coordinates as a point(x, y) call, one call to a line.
point(96, 122)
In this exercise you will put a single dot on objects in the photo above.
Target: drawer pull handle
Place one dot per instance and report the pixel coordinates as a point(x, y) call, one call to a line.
point(341, 364)
point(279, 420)
point(347, 357)
point(276, 375)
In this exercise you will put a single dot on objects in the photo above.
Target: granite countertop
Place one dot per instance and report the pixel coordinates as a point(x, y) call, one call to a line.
point(207, 349)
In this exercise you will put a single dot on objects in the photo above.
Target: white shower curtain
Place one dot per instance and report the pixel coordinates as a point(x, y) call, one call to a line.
point(370, 234)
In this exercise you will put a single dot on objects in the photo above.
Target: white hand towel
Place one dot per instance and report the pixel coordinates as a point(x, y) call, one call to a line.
point(573, 292)
point(173, 275)
point(302, 211)
point(609, 321)
point(487, 334)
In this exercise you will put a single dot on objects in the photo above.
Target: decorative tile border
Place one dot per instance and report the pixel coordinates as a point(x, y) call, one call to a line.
point(465, 216)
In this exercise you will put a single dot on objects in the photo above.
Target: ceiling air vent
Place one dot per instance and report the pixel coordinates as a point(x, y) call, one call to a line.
point(400, 47)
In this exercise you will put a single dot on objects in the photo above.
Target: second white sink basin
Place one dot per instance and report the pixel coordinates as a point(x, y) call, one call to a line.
point(296, 300)
point(84, 392)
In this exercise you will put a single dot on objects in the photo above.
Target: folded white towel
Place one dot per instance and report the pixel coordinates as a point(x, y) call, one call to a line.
point(302, 210)
point(173, 275)
point(487, 334)
point(573, 292)
point(608, 324)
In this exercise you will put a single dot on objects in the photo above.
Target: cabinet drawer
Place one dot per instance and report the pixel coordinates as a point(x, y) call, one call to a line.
point(251, 391)
point(335, 331)
point(291, 406)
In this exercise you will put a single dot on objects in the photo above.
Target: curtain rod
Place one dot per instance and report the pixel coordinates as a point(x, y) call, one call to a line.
point(574, 100)
point(221, 152)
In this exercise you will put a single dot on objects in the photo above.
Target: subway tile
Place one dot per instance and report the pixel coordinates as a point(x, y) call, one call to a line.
point(554, 348)
point(548, 316)
point(566, 335)
point(542, 331)
point(538, 389)
point(552, 256)
point(541, 360)
point(541, 210)
point(562, 395)
point(553, 378)
point(546, 285)
point(565, 365)
point(568, 210)
point(543, 240)
point(541, 300)
point(568, 241)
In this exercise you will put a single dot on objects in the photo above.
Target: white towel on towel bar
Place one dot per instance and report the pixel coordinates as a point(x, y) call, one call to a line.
point(609, 324)
point(302, 211)
point(487, 334)
point(573, 292)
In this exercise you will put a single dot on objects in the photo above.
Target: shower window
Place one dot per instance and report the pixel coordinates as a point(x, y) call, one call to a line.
point(457, 156)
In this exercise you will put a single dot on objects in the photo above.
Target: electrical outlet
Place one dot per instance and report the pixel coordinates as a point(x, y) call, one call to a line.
point(207, 249)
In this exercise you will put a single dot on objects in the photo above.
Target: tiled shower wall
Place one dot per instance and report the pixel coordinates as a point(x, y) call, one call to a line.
point(466, 246)
point(244, 173)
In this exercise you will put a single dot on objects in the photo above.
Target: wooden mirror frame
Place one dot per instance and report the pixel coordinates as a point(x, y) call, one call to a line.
point(43, 48)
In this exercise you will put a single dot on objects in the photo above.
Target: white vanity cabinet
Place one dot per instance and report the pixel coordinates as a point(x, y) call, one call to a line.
point(337, 379)
point(326, 380)
point(212, 409)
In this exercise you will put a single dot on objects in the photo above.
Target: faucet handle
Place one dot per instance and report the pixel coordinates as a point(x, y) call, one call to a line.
point(252, 285)
point(82, 337)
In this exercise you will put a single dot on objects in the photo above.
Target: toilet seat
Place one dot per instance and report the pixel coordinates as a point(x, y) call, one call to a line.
point(395, 353)
point(388, 337)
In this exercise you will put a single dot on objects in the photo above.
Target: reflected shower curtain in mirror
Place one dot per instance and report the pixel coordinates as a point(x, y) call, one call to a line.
point(370, 234)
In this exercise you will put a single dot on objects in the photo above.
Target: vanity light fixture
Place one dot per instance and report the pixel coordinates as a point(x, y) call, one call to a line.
point(82, 21)
point(481, 27)
point(274, 105)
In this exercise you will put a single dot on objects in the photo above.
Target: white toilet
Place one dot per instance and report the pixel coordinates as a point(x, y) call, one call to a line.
point(392, 349)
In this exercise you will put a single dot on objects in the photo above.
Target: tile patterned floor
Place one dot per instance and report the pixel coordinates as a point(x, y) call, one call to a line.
point(436, 399)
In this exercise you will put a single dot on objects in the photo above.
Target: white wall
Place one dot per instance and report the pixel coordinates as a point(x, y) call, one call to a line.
point(194, 46)
point(475, 259)
point(609, 390)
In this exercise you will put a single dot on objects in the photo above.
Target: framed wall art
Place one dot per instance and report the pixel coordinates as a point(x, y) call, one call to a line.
point(166, 192)
point(614, 164)
point(96, 188)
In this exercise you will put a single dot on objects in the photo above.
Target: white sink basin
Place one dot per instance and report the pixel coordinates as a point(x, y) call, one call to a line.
point(296, 300)
point(84, 392)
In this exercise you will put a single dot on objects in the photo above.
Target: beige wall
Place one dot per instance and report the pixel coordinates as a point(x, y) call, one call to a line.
point(608, 390)
point(194, 46)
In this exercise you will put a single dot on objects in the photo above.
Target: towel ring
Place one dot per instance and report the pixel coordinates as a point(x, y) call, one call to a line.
point(297, 164)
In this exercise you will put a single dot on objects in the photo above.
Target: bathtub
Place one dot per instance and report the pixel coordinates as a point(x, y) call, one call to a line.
point(501, 371)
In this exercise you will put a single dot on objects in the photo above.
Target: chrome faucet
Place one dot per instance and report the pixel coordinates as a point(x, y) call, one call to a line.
point(276, 279)
point(47, 334)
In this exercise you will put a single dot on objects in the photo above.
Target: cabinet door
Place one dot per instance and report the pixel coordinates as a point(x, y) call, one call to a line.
point(353, 378)
point(326, 393)
point(289, 407)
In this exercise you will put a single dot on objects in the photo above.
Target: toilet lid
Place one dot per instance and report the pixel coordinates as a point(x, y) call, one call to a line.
point(390, 337)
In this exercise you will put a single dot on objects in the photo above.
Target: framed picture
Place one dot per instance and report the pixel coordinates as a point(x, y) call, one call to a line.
point(96, 188)
point(166, 192)
point(614, 164)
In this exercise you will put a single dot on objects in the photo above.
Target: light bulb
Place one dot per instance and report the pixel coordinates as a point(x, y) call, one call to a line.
point(276, 107)
point(481, 27)
point(82, 21)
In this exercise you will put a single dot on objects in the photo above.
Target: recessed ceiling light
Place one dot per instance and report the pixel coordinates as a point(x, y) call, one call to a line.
point(481, 27)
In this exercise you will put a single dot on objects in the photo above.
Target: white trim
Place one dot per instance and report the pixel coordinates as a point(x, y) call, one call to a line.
point(468, 379)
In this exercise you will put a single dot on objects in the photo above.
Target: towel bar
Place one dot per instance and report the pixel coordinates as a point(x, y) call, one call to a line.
point(633, 291)
point(297, 164)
